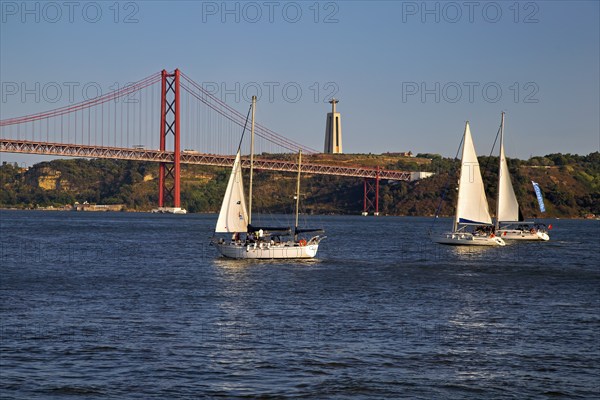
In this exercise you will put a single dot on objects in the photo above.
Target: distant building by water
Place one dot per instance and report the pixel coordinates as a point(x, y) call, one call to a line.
point(418, 175)
point(98, 207)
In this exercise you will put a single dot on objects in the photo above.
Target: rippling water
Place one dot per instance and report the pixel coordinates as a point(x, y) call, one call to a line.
point(139, 306)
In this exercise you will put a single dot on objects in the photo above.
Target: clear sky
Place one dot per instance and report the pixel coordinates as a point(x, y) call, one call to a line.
point(408, 74)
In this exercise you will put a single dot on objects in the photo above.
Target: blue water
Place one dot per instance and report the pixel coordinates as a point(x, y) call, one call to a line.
point(124, 305)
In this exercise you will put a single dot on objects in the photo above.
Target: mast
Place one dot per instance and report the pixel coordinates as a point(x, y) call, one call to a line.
point(501, 153)
point(298, 194)
point(251, 161)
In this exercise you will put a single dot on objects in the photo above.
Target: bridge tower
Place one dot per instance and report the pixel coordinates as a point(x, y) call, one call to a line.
point(333, 130)
point(169, 173)
point(371, 195)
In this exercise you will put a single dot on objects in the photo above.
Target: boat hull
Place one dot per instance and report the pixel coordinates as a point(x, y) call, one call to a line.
point(518, 234)
point(467, 239)
point(266, 250)
point(169, 210)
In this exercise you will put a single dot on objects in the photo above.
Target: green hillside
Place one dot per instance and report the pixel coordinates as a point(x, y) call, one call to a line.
point(570, 183)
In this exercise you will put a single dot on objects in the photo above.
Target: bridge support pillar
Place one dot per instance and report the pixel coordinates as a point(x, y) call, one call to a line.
point(371, 195)
point(169, 174)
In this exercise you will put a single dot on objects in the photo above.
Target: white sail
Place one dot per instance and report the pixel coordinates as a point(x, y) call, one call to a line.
point(234, 215)
point(508, 207)
point(472, 205)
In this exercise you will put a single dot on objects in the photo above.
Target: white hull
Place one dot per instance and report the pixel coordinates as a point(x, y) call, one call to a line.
point(467, 239)
point(267, 250)
point(518, 234)
point(170, 210)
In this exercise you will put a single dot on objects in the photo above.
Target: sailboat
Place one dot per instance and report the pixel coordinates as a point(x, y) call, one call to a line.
point(258, 242)
point(509, 221)
point(472, 223)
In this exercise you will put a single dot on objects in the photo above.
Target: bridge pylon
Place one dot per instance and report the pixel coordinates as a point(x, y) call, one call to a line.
point(371, 195)
point(169, 173)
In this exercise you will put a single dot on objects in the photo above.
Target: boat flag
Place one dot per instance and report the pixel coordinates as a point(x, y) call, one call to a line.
point(538, 193)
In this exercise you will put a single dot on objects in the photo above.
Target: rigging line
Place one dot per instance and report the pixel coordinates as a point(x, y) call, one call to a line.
point(244, 130)
point(445, 190)
point(485, 170)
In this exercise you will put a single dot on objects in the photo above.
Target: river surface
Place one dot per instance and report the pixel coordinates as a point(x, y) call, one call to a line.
point(133, 305)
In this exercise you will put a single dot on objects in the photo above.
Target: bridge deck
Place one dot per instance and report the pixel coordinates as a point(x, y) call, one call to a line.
point(76, 150)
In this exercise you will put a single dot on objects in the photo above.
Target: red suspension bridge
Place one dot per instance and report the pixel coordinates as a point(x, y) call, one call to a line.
point(124, 124)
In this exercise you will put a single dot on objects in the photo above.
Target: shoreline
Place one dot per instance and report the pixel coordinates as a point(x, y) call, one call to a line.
point(596, 218)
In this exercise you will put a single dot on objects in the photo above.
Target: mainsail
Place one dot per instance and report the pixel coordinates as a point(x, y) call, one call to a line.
point(234, 215)
point(508, 207)
point(472, 205)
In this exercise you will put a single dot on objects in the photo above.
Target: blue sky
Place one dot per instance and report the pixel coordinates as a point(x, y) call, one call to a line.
point(408, 74)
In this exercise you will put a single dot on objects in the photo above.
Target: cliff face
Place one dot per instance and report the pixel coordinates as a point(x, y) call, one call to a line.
point(49, 179)
point(570, 184)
